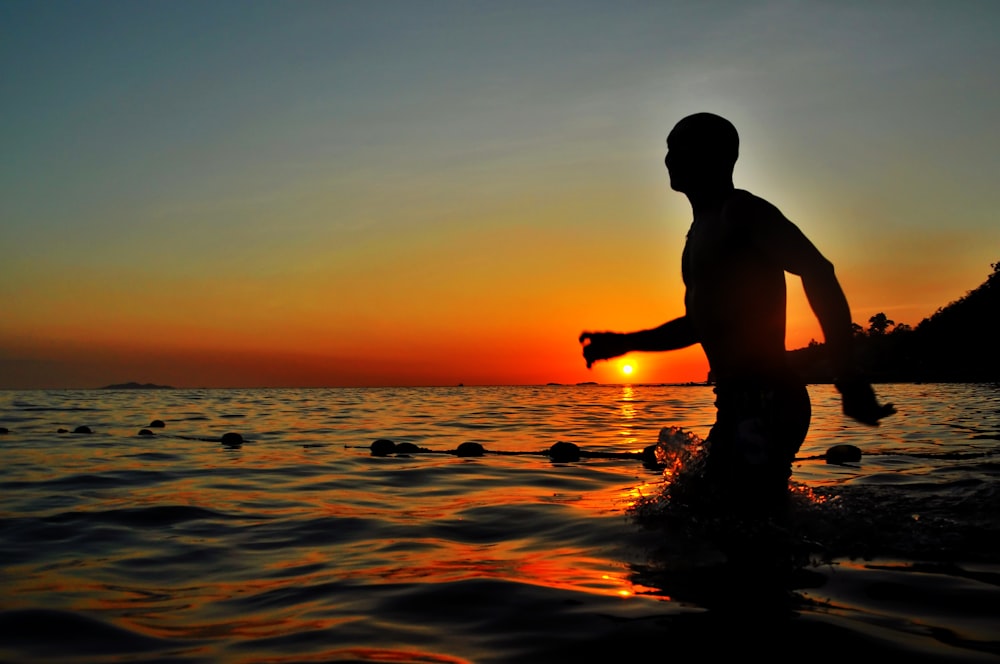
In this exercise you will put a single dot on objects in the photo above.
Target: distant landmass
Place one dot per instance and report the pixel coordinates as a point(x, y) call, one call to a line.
point(136, 386)
point(956, 344)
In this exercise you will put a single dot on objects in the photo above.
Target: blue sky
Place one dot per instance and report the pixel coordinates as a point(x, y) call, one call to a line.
point(259, 158)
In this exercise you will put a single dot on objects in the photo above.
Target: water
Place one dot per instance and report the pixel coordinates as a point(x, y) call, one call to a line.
point(300, 546)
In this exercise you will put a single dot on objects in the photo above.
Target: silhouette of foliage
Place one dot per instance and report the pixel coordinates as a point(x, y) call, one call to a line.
point(955, 344)
point(879, 323)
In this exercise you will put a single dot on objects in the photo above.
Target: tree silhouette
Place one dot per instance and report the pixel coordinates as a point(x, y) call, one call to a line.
point(879, 324)
point(955, 344)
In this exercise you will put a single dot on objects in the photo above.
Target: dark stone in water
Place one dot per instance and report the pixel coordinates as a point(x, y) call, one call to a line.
point(4, 430)
point(157, 424)
point(62, 430)
point(145, 432)
point(82, 429)
point(232, 439)
point(843, 454)
point(406, 448)
point(563, 452)
point(470, 450)
point(383, 447)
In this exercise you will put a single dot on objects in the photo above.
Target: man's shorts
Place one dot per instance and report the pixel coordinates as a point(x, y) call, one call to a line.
point(758, 430)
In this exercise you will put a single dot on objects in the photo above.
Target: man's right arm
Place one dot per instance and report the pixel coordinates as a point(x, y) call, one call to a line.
point(672, 335)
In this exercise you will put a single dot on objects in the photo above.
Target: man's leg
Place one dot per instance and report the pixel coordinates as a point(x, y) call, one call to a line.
point(756, 435)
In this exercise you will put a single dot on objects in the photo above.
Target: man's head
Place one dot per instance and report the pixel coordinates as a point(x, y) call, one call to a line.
point(701, 152)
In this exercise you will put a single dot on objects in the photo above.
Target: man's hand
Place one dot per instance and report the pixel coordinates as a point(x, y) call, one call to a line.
point(860, 403)
point(602, 346)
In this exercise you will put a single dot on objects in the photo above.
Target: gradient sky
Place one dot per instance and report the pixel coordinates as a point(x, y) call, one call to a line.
point(417, 193)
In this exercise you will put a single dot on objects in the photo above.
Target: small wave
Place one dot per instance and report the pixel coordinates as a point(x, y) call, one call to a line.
point(470, 425)
point(85, 481)
point(58, 409)
point(154, 456)
point(317, 532)
point(49, 633)
point(155, 516)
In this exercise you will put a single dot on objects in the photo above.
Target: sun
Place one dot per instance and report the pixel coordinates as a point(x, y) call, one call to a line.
point(627, 369)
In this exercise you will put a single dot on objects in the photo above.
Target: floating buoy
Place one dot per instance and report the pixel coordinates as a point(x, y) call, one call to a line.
point(839, 454)
point(470, 450)
point(145, 432)
point(406, 448)
point(564, 452)
point(232, 439)
point(157, 424)
point(383, 447)
point(82, 429)
point(4, 430)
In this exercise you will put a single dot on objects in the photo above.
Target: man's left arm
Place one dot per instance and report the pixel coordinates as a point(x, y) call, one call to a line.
point(782, 240)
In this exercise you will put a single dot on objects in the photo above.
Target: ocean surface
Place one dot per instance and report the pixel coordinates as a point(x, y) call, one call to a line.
point(298, 545)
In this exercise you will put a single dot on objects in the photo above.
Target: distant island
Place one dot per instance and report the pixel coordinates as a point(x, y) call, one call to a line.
point(136, 386)
point(956, 344)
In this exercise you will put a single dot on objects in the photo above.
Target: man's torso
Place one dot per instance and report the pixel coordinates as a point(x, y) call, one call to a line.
point(735, 291)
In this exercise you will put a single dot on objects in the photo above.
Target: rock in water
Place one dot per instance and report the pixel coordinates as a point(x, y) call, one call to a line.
point(564, 452)
point(157, 424)
point(82, 429)
point(145, 432)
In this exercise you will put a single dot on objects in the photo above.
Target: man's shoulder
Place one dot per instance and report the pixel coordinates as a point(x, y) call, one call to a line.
point(755, 219)
point(743, 202)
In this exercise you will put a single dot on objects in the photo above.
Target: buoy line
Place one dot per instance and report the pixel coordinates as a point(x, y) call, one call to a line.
point(564, 452)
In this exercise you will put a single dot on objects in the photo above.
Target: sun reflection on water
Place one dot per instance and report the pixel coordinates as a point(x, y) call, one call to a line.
point(627, 414)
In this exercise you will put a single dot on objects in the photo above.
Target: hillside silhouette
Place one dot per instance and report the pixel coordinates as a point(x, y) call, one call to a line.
point(957, 343)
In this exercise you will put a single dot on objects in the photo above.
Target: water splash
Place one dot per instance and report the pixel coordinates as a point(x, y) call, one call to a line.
point(675, 450)
point(915, 520)
point(682, 455)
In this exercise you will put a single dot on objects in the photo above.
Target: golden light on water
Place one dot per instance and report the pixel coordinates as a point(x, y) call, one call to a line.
point(627, 413)
point(807, 493)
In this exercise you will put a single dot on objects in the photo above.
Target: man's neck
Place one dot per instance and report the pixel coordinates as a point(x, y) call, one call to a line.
point(709, 198)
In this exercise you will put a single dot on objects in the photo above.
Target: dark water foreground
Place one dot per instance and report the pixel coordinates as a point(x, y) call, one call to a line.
point(298, 546)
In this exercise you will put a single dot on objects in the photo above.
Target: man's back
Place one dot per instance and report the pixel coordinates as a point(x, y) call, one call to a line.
point(735, 284)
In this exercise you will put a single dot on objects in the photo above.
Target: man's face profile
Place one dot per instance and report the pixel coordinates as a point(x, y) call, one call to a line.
point(701, 150)
point(680, 159)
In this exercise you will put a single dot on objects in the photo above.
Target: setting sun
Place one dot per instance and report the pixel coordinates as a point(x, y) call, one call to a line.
point(627, 369)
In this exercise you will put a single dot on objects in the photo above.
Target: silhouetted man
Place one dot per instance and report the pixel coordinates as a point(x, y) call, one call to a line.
point(738, 249)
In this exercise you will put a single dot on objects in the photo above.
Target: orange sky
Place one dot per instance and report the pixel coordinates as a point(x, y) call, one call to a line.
point(326, 197)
